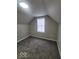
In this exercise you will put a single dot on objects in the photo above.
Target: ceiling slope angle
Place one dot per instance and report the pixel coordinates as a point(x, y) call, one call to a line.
point(54, 9)
point(37, 8)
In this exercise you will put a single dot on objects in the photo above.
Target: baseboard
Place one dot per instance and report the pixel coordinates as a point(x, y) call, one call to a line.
point(23, 38)
point(44, 38)
point(59, 49)
point(37, 37)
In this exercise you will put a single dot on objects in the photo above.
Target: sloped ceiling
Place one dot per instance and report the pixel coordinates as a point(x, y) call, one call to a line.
point(54, 9)
point(38, 8)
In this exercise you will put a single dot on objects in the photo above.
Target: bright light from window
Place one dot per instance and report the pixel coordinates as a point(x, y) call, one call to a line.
point(24, 5)
point(41, 25)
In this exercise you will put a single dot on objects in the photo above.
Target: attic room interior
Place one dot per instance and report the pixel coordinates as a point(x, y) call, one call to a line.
point(38, 29)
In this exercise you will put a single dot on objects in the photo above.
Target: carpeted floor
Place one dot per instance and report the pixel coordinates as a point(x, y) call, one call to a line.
point(36, 48)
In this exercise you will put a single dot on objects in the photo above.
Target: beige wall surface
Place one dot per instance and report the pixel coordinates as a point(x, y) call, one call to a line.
point(51, 28)
point(22, 31)
point(59, 38)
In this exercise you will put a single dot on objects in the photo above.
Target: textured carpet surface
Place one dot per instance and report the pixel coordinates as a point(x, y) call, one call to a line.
point(36, 48)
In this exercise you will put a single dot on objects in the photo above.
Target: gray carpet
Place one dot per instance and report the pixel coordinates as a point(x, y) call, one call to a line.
point(36, 48)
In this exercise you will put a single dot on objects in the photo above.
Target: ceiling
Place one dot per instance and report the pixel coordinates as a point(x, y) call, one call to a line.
point(38, 8)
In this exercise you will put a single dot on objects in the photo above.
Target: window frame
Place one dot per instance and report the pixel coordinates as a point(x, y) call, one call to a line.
point(41, 24)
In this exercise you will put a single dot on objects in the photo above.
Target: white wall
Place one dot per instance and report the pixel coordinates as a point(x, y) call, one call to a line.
point(22, 31)
point(59, 38)
point(50, 29)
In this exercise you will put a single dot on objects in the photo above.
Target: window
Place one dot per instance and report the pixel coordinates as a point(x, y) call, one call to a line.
point(41, 25)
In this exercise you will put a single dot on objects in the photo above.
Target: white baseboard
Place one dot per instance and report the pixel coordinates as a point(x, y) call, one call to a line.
point(59, 49)
point(37, 37)
point(44, 38)
point(23, 38)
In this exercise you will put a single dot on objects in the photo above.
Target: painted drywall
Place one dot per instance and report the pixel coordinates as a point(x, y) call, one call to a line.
point(50, 29)
point(59, 38)
point(22, 31)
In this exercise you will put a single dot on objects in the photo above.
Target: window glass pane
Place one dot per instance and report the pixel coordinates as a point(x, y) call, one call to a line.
point(41, 25)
